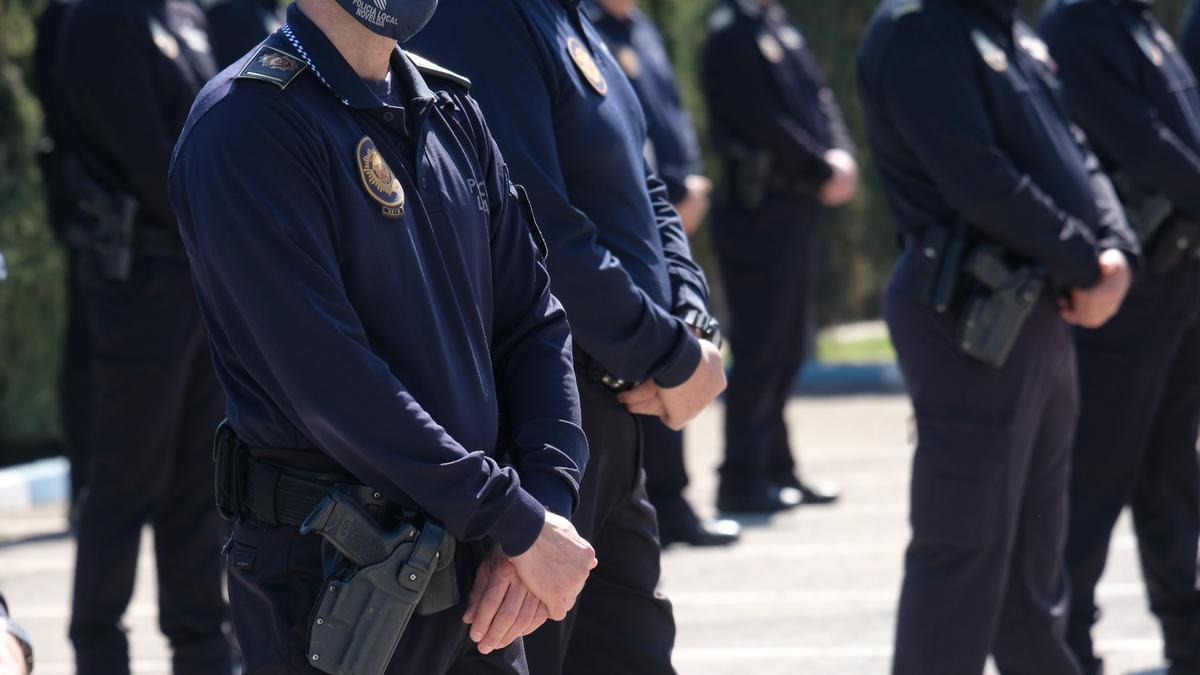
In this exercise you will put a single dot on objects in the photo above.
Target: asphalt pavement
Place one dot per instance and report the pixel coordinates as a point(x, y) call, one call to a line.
point(811, 591)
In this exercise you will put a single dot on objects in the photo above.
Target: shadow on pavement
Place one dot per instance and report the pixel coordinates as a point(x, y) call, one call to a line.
point(39, 538)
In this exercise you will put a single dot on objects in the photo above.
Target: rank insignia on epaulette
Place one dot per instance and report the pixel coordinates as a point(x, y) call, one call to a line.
point(273, 65)
point(587, 65)
point(992, 55)
point(378, 179)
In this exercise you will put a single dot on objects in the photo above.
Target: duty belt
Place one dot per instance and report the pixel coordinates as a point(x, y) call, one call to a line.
point(596, 372)
point(279, 496)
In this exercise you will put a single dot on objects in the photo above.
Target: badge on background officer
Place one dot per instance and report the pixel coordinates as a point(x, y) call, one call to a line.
point(620, 262)
point(786, 153)
point(128, 74)
point(1006, 215)
point(380, 316)
point(673, 152)
point(1135, 96)
point(236, 26)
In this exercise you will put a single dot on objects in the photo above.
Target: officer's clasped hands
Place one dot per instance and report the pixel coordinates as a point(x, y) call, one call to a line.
point(556, 566)
point(501, 608)
point(1093, 307)
point(677, 406)
point(842, 185)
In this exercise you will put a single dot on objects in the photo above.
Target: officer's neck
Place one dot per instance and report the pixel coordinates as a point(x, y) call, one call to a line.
point(367, 53)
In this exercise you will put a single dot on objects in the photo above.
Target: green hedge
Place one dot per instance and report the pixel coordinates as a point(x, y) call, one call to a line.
point(855, 252)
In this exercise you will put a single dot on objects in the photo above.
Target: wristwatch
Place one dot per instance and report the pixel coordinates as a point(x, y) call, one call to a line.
point(705, 326)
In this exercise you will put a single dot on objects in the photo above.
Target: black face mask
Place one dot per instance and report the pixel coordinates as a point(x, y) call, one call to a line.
point(395, 19)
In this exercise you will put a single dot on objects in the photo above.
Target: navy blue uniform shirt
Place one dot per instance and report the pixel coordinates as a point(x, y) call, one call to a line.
point(674, 150)
point(1189, 36)
point(1131, 91)
point(129, 72)
point(372, 289)
point(967, 123)
point(237, 26)
point(765, 90)
point(573, 132)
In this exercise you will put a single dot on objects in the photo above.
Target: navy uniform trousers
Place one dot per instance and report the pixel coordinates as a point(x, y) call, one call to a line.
point(620, 625)
point(155, 402)
point(764, 256)
point(983, 572)
point(666, 473)
point(1136, 444)
point(275, 575)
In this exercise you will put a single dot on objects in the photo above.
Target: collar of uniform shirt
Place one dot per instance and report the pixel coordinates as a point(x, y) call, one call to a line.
point(346, 84)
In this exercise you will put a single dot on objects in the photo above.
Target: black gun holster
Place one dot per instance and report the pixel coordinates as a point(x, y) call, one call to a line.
point(990, 298)
point(1168, 237)
point(386, 563)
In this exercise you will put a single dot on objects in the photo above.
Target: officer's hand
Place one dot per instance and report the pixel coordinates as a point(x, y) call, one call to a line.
point(694, 206)
point(842, 185)
point(684, 402)
point(556, 566)
point(500, 608)
point(12, 655)
point(1093, 307)
point(644, 399)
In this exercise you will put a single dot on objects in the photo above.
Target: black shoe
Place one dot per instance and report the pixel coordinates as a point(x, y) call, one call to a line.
point(683, 526)
point(766, 499)
point(818, 494)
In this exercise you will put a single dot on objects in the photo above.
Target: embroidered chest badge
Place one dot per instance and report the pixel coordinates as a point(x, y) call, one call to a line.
point(992, 55)
point(378, 179)
point(587, 65)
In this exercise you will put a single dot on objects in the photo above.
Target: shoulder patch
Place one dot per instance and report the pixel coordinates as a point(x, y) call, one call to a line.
point(431, 69)
point(274, 65)
point(903, 7)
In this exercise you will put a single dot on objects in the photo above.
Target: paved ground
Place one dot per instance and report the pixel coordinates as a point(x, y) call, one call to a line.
point(808, 592)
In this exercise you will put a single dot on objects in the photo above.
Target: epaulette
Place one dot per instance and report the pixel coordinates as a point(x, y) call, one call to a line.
point(904, 7)
point(431, 69)
point(721, 18)
point(273, 61)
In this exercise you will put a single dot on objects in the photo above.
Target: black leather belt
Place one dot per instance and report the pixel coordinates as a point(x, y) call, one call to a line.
point(279, 496)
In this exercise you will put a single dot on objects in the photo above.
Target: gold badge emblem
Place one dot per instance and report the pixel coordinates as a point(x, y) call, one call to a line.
point(992, 55)
point(378, 179)
point(166, 43)
point(770, 47)
point(630, 63)
point(587, 65)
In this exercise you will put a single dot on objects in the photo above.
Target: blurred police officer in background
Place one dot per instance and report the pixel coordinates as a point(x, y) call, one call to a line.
point(128, 72)
point(1012, 233)
point(236, 26)
point(380, 316)
point(673, 152)
point(1136, 98)
point(573, 132)
point(66, 203)
point(786, 153)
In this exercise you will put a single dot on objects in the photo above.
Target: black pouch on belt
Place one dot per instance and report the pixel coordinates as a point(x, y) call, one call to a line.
point(364, 608)
point(229, 459)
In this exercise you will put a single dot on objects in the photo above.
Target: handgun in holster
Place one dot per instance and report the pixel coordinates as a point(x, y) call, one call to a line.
point(996, 310)
point(112, 216)
point(365, 605)
point(749, 171)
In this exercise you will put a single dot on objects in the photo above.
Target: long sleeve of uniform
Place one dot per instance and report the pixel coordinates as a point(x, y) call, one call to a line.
point(741, 94)
point(1097, 67)
point(613, 319)
point(535, 380)
point(126, 120)
point(689, 288)
point(935, 104)
point(273, 292)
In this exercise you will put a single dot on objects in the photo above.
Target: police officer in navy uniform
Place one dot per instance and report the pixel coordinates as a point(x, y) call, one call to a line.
point(380, 316)
point(129, 72)
point(981, 163)
point(786, 152)
point(619, 260)
point(1136, 98)
point(674, 153)
point(237, 26)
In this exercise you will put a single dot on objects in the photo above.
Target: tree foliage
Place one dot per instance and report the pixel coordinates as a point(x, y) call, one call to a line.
point(854, 256)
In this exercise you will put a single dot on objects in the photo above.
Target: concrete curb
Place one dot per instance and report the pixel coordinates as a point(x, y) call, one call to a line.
point(26, 486)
